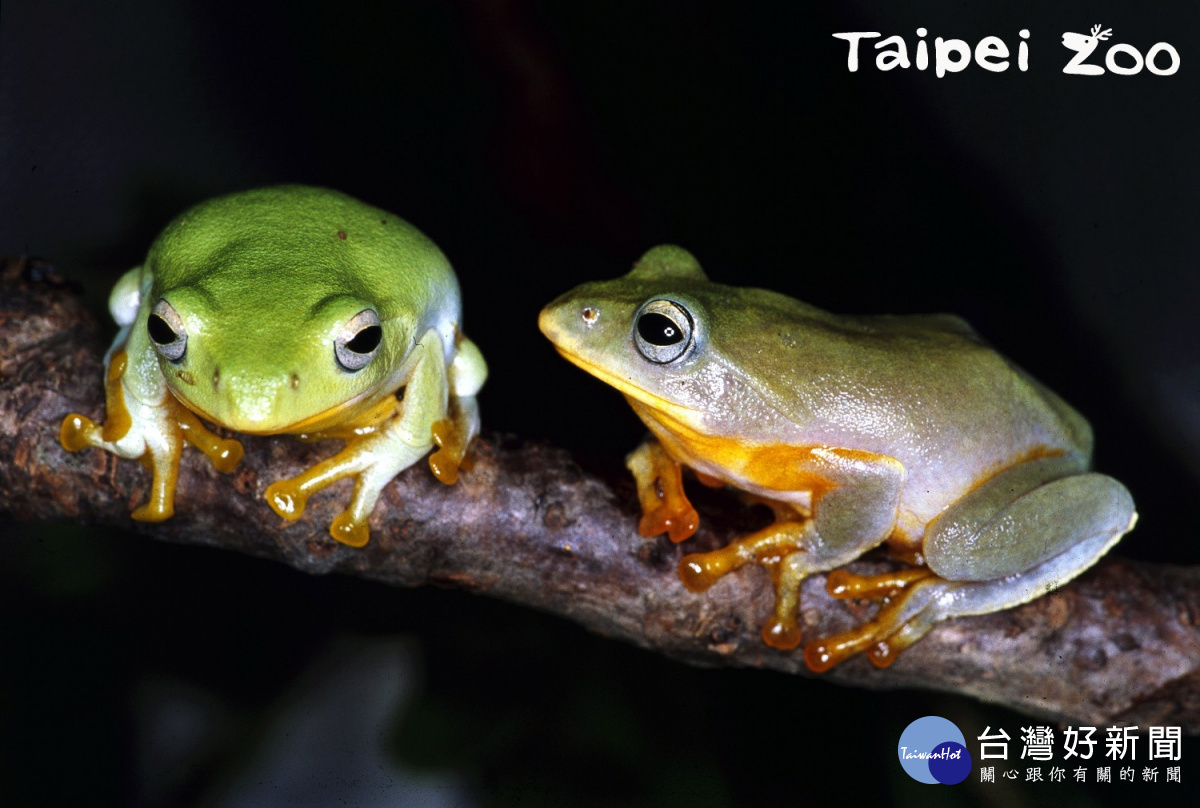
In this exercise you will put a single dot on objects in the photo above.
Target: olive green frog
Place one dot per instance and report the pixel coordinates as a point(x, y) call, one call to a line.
point(903, 431)
point(289, 310)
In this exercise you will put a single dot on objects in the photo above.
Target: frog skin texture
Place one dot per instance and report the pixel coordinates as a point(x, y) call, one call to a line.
point(906, 432)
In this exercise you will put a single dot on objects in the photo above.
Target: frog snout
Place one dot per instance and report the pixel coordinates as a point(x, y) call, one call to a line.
point(254, 401)
point(282, 381)
point(547, 323)
point(563, 317)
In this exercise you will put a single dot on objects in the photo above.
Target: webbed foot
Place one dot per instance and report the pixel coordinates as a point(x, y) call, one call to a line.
point(453, 436)
point(289, 498)
point(905, 594)
point(778, 548)
point(372, 459)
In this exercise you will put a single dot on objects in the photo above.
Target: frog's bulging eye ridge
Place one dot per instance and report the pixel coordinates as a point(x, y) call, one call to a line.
point(166, 331)
point(663, 331)
point(359, 341)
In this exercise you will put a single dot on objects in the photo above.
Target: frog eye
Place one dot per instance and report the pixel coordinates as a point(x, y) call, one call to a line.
point(166, 331)
point(663, 331)
point(359, 341)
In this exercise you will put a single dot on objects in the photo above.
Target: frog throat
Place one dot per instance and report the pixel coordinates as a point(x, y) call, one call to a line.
point(336, 415)
point(628, 389)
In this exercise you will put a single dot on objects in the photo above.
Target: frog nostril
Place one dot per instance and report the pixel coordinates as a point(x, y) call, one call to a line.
point(216, 378)
point(294, 381)
point(590, 314)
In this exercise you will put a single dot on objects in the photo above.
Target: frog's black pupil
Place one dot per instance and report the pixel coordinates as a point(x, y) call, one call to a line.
point(658, 329)
point(160, 332)
point(366, 340)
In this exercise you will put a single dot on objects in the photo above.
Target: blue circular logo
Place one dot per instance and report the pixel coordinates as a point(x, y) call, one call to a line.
point(932, 750)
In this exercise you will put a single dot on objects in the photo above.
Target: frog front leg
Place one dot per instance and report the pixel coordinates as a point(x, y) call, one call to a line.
point(665, 506)
point(855, 497)
point(143, 421)
point(153, 434)
point(374, 458)
point(1022, 533)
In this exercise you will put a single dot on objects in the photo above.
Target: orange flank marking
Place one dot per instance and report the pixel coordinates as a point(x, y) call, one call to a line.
point(773, 467)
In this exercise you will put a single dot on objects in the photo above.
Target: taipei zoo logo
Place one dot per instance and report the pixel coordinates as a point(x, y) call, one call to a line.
point(994, 55)
point(932, 750)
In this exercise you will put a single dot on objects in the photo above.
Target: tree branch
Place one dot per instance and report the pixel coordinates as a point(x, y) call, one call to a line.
point(527, 523)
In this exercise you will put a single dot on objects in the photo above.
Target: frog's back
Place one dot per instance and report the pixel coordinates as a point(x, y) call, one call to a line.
point(924, 389)
point(301, 241)
point(973, 386)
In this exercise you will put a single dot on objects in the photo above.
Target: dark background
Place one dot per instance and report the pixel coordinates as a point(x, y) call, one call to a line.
point(541, 145)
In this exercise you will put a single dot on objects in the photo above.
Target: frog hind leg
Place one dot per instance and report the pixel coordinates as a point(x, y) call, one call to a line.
point(665, 506)
point(855, 509)
point(1024, 532)
point(454, 434)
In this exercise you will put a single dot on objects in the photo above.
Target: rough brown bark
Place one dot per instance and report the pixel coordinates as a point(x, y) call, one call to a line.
point(527, 523)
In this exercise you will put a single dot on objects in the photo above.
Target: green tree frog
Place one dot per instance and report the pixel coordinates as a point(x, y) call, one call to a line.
point(289, 310)
point(907, 432)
